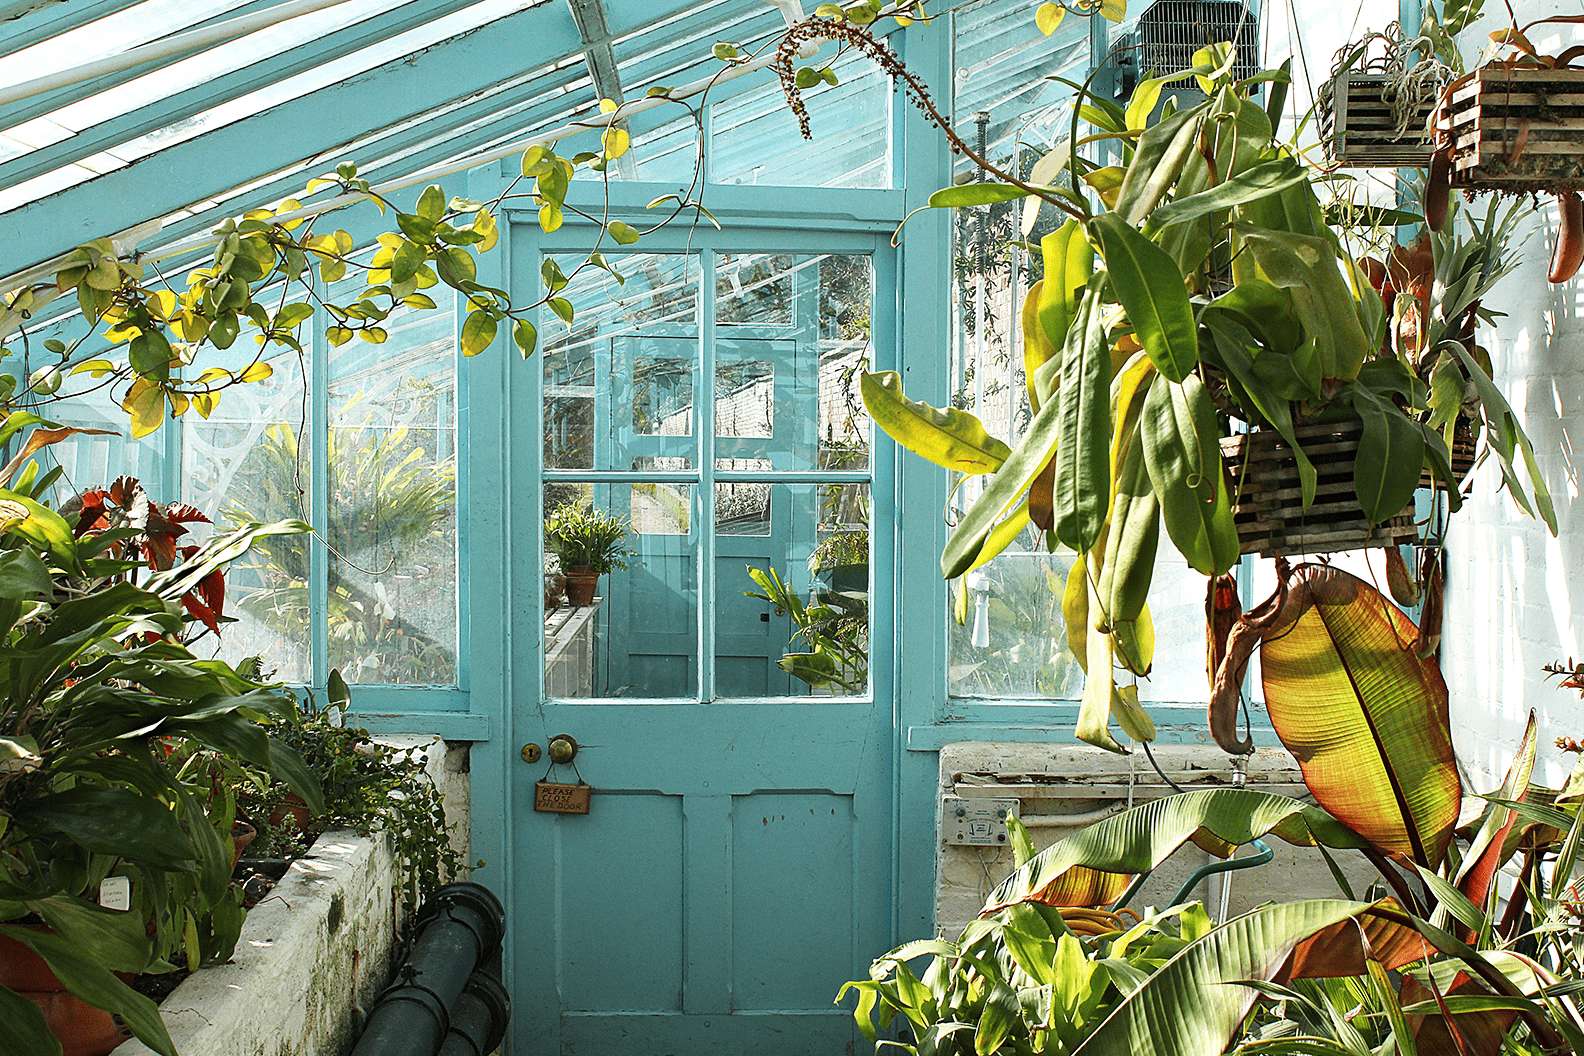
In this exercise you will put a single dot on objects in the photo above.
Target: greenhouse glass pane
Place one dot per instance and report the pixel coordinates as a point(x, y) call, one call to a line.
point(90, 460)
point(792, 339)
point(808, 547)
point(620, 381)
point(755, 137)
point(243, 464)
point(392, 503)
point(638, 635)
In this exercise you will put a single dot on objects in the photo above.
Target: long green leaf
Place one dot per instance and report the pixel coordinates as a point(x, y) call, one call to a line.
point(1182, 452)
point(95, 984)
point(1268, 177)
point(1082, 487)
point(1069, 261)
point(1308, 268)
point(1194, 1004)
point(1003, 492)
point(22, 1027)
point(1507, 437)
point(1092, 866)
point(1162, 151)
point(947, 437)
point(1391, 456)
point(112, 821)
point(116, 940)
point(1150, 287)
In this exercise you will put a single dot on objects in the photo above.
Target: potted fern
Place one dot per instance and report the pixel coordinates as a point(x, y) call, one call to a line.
point(589, 543)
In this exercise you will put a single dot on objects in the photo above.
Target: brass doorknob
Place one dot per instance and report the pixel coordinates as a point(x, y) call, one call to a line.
point(530, 752)
point(563, 749)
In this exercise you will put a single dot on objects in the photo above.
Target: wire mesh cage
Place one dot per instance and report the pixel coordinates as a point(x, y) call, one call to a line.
point(1166, 34)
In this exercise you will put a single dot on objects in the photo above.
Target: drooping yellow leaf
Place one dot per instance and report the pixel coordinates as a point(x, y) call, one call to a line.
point(257, 371)
point(145, 404)
point(1048, 16)
point(1113, 10)
point(616, 141)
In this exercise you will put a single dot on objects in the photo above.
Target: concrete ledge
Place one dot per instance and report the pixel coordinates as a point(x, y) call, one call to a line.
point(315, 951)
point(311, 955)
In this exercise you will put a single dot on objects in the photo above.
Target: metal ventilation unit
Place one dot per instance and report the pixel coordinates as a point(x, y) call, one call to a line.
point(1166, 35)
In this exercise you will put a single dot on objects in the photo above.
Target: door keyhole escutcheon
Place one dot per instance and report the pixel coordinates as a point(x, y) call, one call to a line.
point(563, 749)
point(530, 752)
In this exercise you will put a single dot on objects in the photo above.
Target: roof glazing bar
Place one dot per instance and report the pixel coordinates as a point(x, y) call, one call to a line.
point(175, 46)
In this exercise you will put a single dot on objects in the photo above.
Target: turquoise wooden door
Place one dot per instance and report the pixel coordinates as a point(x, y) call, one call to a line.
point(736, 863)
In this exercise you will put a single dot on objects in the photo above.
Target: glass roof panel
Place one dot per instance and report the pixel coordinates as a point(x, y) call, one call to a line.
point(110, 35)
point(1002, 67)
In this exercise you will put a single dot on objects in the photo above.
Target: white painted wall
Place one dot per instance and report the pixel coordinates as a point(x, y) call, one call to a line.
point(1515, 595)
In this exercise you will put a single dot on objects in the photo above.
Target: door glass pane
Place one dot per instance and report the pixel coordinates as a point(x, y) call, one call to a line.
point(619, 382)
point(755, 137)
point(637, 636)
point(791, 590)
point(792, 338)
point(243, 464)
point(392, 503)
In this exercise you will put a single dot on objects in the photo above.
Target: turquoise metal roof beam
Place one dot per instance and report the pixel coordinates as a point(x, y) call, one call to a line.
point(589, 17)
point(27, 22)
point(228, 157)
point(222, 89)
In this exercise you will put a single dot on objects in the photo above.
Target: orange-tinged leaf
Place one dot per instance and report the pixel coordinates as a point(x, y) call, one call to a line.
point(1488, 851)
point(1366, 718)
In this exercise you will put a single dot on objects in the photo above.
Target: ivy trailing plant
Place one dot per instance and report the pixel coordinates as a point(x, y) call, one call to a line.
point(1204, 286)
point(261, 275)
point(369, 787)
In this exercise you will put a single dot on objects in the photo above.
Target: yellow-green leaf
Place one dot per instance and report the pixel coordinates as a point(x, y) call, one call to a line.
point(1048, 16)
point(256, 371)
point(478, 330)
point(945, 436)
point(615, 140)
point(145, 404)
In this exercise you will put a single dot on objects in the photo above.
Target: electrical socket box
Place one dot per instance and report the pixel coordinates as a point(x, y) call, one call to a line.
point(976, 822)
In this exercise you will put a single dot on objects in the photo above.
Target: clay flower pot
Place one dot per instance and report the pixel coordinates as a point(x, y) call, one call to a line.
point(580, 587)
point(82, 1029)
point(242, 836)
point(295, 807)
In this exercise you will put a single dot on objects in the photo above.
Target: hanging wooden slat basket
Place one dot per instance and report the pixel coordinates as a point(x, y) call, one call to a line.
point(1364, 130)
point(1267, 497)
point(1461, 454)
point(1518, 130)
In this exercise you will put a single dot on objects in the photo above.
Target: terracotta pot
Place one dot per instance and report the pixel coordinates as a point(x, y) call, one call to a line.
point(295, 807)
point(580, 587)
point(82, 1029)
point(242, 835)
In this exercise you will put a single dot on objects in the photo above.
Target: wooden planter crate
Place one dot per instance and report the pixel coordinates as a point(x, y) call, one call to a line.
point(1267, 498)
point(1464, 448)
point(1362, 129)
point(1518, 130)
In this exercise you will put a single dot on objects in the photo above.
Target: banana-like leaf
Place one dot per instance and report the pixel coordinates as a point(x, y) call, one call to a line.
point(1183, 456)
point(1366, 718)
point(1082, 487)
point(1150, 286)
point(1485, 855)
point(1092, 867)
point(947, 437)
point(1195, 1003)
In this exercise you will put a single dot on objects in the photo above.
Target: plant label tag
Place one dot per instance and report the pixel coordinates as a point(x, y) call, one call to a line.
point(115, 892)
point(553, 798)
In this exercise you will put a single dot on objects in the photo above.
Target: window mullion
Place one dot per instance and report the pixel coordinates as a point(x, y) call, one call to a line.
point(704, 508)
point(317, 380)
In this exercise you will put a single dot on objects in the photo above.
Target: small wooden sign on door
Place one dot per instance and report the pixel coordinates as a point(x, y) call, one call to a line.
point(552, 797)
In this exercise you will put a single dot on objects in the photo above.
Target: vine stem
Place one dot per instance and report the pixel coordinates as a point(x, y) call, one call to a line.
point(818, 30)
